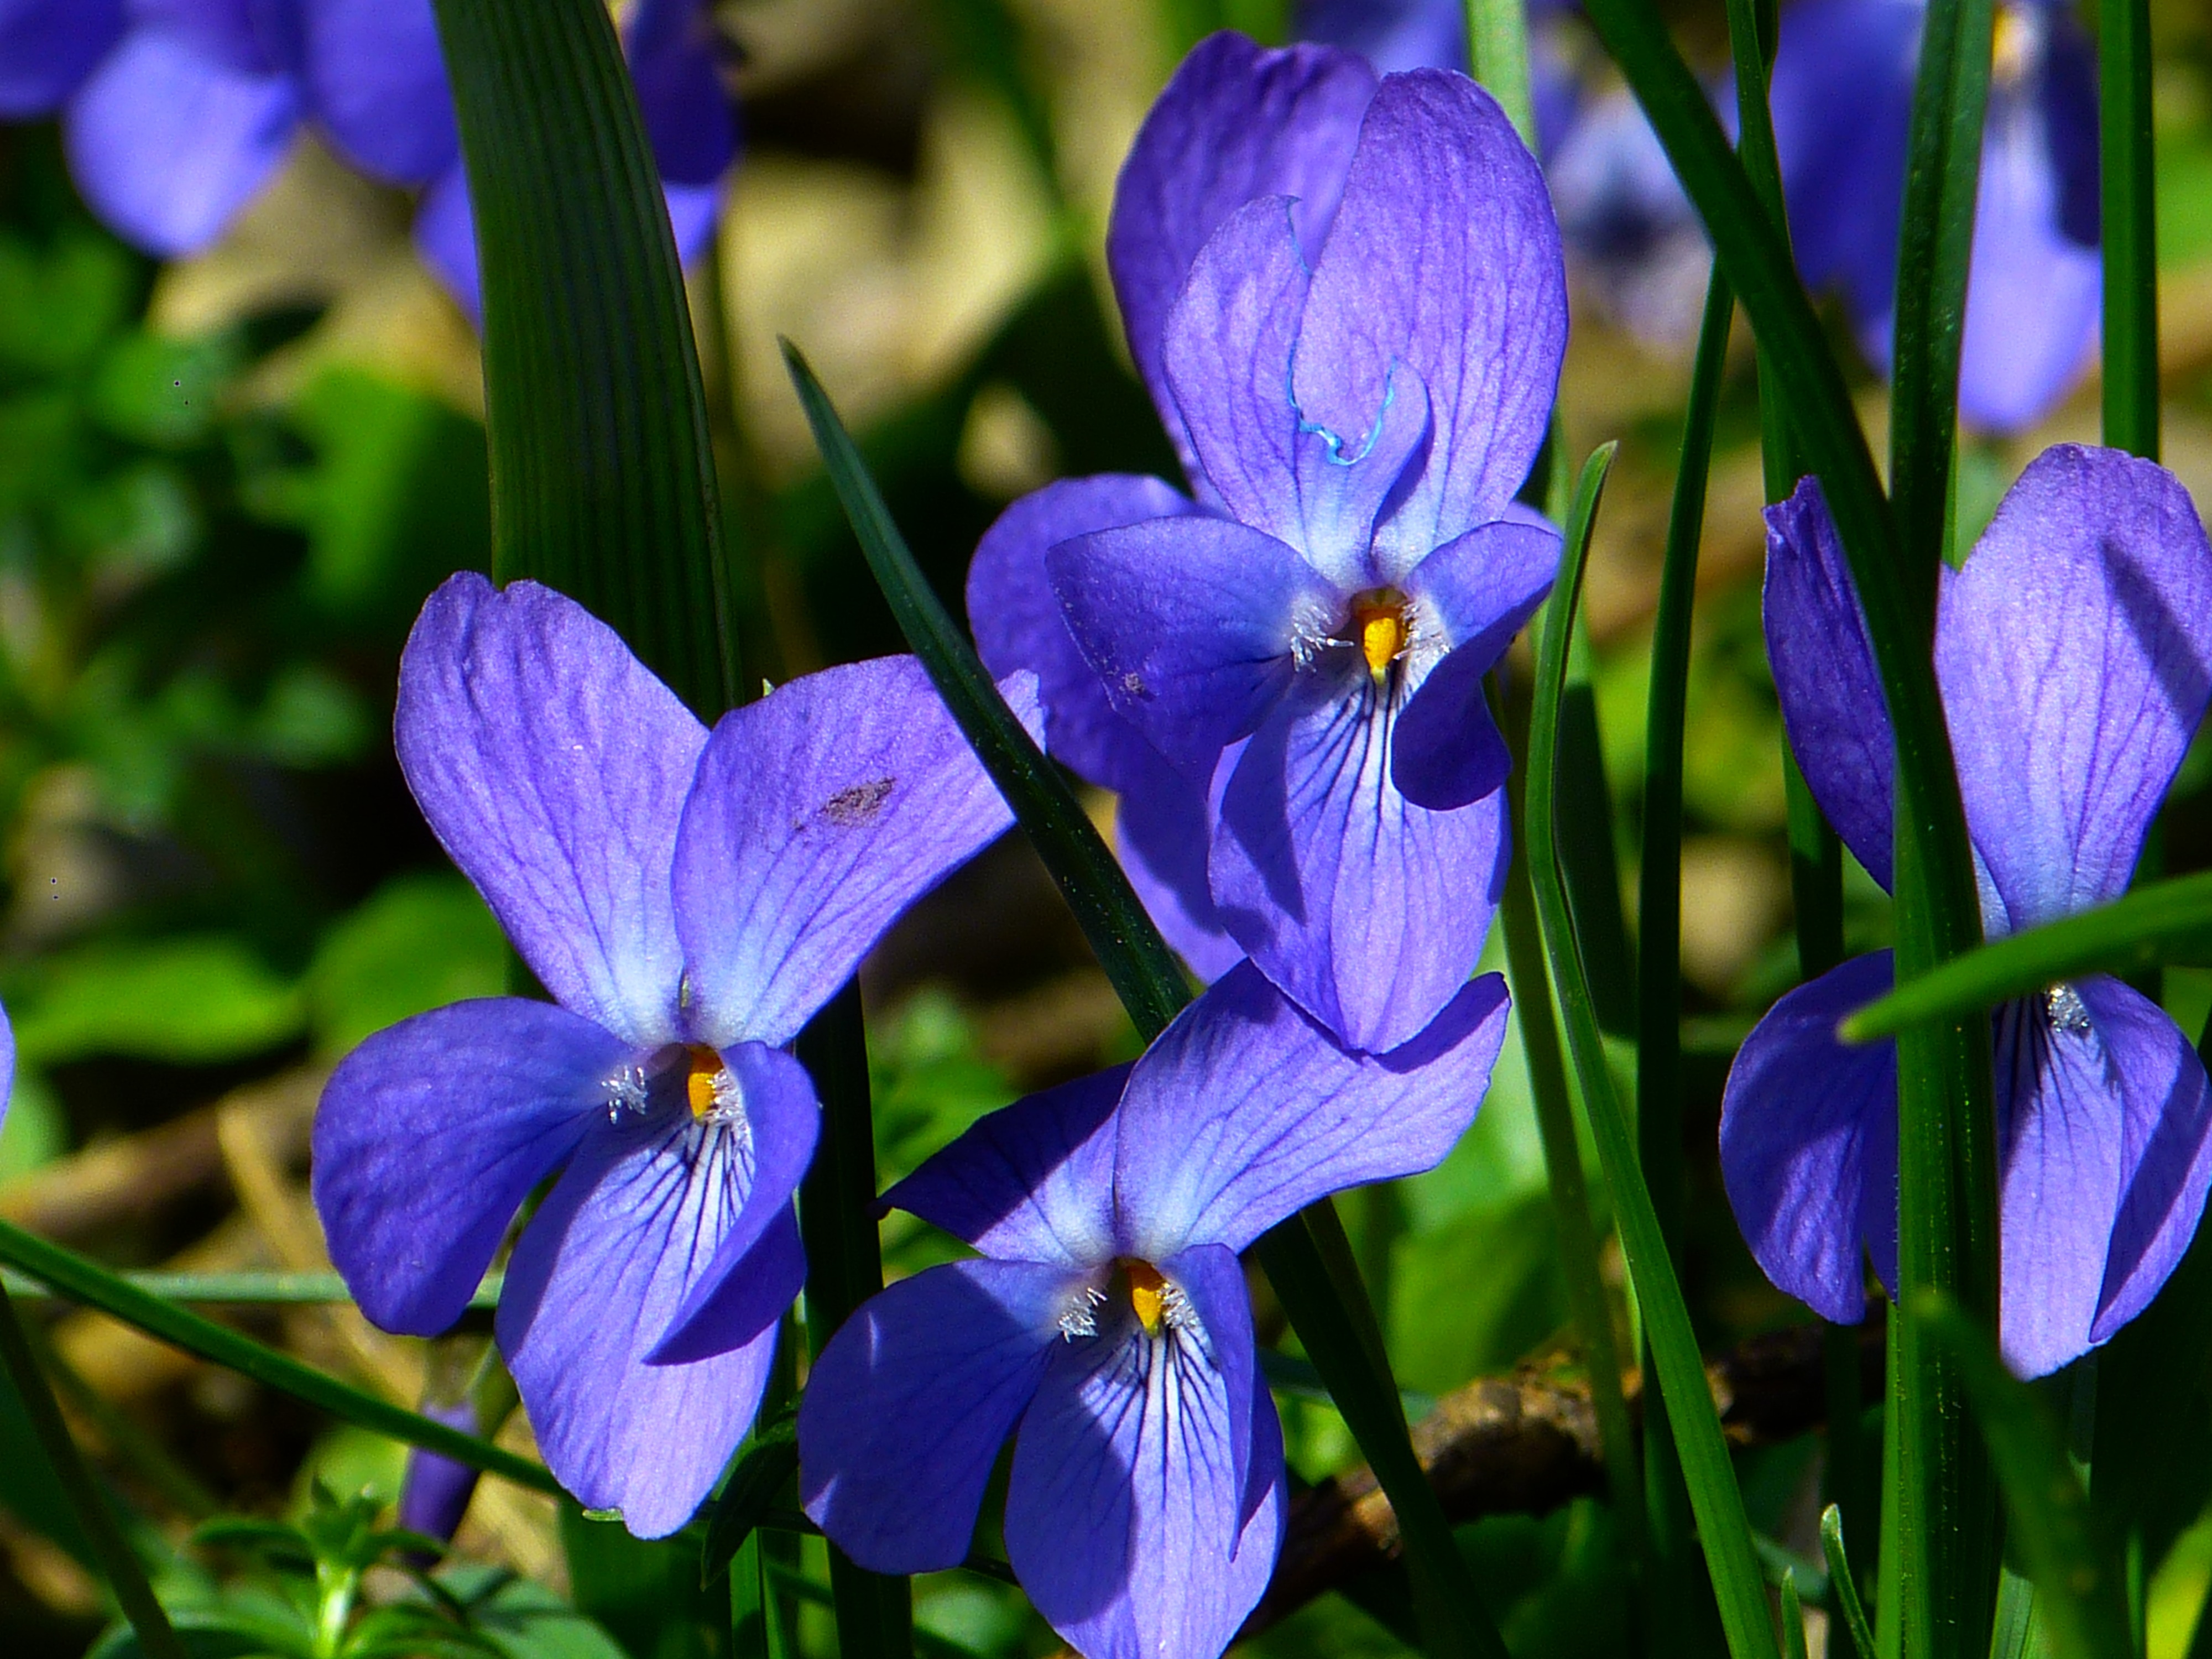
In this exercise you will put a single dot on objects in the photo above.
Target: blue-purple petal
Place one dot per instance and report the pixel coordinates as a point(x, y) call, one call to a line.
point(1245, 1110)
point(1161, 828)
point(47, 47)
point(553, 767)
point(431, 1135)
point(375, 81)
point(821, 812)
point(906, 1408)
point(446, 240)
point(435, 1491)
point(671, 47)
point(1394, 35)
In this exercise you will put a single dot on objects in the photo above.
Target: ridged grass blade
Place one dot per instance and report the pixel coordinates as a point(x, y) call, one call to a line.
point(2168, 921)
point(94, 1286)
point(111, 1551)
point(1715, 1497)
point(1305, 1257)
point(2080, 1600)
point(2129, 202)
point(603, 479)
point(844, 1268)
point(1129, 948)
point(1844, 1589)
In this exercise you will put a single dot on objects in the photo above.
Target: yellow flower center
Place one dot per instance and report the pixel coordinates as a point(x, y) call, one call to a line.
point(1378, 618)
point(1148, 1293)
point(702, 1068)
point(2012, 45)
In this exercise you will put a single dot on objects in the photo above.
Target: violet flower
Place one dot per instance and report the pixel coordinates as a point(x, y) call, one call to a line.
point(690, 901)
point(2073, 654)
point(1347, 303)
point(1106, 1326)
point(176, 112)
point(1843, 99)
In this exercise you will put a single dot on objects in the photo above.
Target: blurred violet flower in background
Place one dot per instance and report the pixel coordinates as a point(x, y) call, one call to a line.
point(176, 112)
point(690, 901)
point(2073, 652)
point(1843, 102)
point(1347, 303)
point(434, 1494)
point(1108, 1321)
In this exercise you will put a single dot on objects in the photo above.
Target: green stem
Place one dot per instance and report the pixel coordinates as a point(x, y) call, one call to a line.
point(125, 1574)
point(2130, 198)
point(1497, 52)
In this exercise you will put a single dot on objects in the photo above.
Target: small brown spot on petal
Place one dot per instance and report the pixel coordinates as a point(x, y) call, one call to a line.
point(849, 809)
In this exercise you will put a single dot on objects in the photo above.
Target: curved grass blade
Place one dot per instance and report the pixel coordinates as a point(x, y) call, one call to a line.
point(2129, 202)
point(2168, 921)
point(1843, 1587)
point(1306, 1258)
point(2080, 1601)
point(94, 1286)
point(602, 478)
point(118, 1564)
point(1714, 1495)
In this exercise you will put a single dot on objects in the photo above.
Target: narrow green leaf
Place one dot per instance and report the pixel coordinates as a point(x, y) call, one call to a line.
point(2080, 1598)
point(645, 1591)
point(244, 1289)
point(603, 479)
point(1497, 54)
point(1793, 1619)
point(2130, 203)
point(2169, 921)
point(1306, 1257)
point(763, 1468)
point(1589, 863)
point(1843, 1586)
point(118, 1564)
point(94, 1286)
point(1714, 1495)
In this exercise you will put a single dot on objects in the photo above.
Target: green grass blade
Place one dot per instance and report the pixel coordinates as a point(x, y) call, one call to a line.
point(94, 1286)
point(763, 1468)
point(1144, 971)
point(1305, 1257)
point(603, 479)
point(844, 1268)
point(2130, 198)
point(1793, 1618)
point(2168, 921)
point(1497, 52)
point(1590, 860)
point(1844, 1590)
point(244, 1289)
point(118, 1564)
point(2080, 1598)
point(1715, 1497)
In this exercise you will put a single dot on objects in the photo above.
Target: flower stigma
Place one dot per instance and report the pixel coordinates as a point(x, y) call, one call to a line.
point(712, 1093)
point(1379, 623)
point(1158, 1305)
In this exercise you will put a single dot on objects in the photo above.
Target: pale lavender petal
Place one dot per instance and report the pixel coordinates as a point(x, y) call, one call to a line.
point(693, 212)
point(553, 768)
point(1127, 1519)
point(1018, 623)
point(1161, 829)
point(376, 83)
point(1809, 1143)
point(7, 1064)
point(166, 143)
point(1825, 675)
point(1236, 123)
point(47, 47)
point(1033, 1182)
point(821, 812)
point(1368, 910)
point(1190, 623)
point(906, 1409)
point(1243, 1111)
point(2074, 654)
point(431, 1135)
point(611, 1257)
point(671, 46)
point(1445, 259)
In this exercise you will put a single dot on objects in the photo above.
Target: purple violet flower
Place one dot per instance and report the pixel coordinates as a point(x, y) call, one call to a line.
point(1347, 303)
point(176, 112)
point(435, 1491)
point(690, 901)
point(1842, 101)
point(1106, 1325)
point(2074, 652)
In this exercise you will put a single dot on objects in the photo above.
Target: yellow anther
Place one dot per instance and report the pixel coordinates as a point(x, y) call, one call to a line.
point(2012, 45)
point(703, 1067)
point(1148, 1293)
point(1380, 617)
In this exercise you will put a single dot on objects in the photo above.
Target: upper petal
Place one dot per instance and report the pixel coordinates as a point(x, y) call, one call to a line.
point(1189, 623)
point(167, 142)
point(1369, 910)
point(612, 1255)
point(821, 812)
point(1127, 1519)
point(1444, 258)
point(1825, 675)
point(1809, 1142)
point(2074, 654)
point(1018, 623)
point(1033, 1182)
point(46, 49)
point(553, 767)
point(376, 82)
point(906, 1408)
point(431, 1135)
point(1235, 122)
point(1243, 1111)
